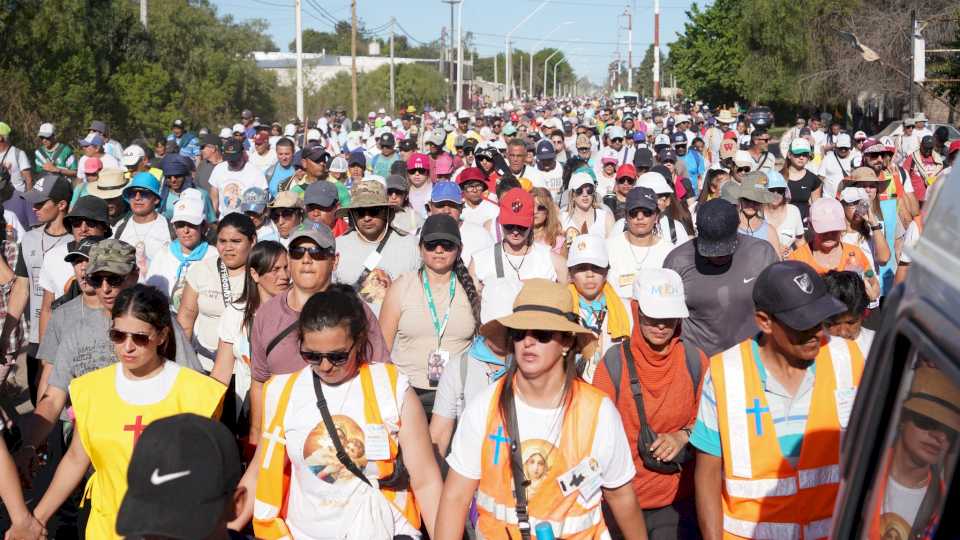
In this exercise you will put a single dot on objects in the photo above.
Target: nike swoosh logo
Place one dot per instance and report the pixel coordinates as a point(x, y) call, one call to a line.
point(746, 280)
point(157, 479)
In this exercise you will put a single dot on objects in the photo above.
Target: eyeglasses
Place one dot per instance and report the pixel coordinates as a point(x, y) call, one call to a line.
point(543, 336)
point(96, 281)
point(637, 211)
point(396, 192)
point(445, 245)
point(338, 358)
point(373, 211)
point(515, 229)
point(743, 169)
point(583, 150)
point(89, 223)
point(586, 190)
point(142, 193)
point(541, 208)
point(316, 253)
point(418, 171)
point(119, 337)
point(285, 213)
point(626, 180)
point(474, 186)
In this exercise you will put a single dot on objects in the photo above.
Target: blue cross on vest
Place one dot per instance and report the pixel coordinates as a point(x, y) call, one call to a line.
point(757, 411)
point(497, 439)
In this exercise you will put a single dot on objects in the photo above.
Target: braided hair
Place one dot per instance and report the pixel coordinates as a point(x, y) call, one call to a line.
point(466, 281)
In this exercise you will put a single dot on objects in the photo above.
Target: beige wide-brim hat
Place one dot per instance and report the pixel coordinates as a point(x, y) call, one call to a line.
point(546, 305)
point(934, 395)
point(109, 184)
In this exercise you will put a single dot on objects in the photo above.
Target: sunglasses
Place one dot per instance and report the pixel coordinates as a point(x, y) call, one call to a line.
point(396, 192)
point(96, 281)
point(637, 211)
point(142, 193)
point(119, 337)
point(929, 424)
point(543, 336)
point(743, 169)
point(338, 358)
point(586, 190)
point(763, 139)
point(474, 186)
point(541, 208)
point(583, 150)
point(778, 191)
point(445, 245)
point(418, 171)
point(483, 158)
point(618, 139)
point(286, 213)
point(375, 211)
point(90, 223)
point(626, 180)
point(515, 229)
point(316, 253)
point(799, 156)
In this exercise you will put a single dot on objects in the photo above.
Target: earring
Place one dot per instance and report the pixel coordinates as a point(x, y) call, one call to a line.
point(566, 350)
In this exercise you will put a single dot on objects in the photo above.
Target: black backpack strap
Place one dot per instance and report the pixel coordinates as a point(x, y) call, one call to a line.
point(498, 258)
point(121, 226)
point(694, 367)
point(673, 229)
point(612, 360)
point(516, 471)
point(279, 337)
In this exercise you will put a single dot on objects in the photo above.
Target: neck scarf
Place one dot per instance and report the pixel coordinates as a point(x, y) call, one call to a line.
point(482, 352)
point(618, 320)
point(195, 255)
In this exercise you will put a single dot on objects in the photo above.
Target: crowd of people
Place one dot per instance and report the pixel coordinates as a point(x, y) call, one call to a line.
point(551, 319)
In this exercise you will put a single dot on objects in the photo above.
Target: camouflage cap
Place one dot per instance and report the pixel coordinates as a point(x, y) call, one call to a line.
point(366, 194)
point(112, 256)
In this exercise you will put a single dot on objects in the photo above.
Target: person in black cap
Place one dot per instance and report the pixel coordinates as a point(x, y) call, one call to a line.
point(719, 268)
point(210, 157)
point(230, 179)
point(183, 482)
point(380, 164)
point(643, 160)
point(763, 401)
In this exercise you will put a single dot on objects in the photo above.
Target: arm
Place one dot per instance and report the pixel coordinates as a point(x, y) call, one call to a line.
point(223, 363)
point(775, 242)
point(19, 297)
point(256, 412)
point(215, 198)
point(817, 193)
point(187, 314)
point(390, 315)
point(560, 265)
point(457, 493)
point(623, 503)
point(46, 311)
point(248, 481)
point(418, 454)
point(23, 524)
point(6, 273)
point(707, 482)
point(441, 431)
point(36, 427)
point(68, 476)
point(46, 368)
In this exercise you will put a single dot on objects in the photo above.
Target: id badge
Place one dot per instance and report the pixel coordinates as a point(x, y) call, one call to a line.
point(435, 364)
point(376, 442)
point(372, 260)
point(584, 478)
point(626, 280)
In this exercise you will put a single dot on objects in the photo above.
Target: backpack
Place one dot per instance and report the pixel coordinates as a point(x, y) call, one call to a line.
point(612, 359)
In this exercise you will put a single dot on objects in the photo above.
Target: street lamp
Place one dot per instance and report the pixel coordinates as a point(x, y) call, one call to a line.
point(555, 66)
point(460, 55)
point(556, 52)
point(509, 78)
point(534, 48)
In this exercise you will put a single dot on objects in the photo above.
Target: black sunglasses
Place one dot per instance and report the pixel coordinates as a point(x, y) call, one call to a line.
point(618, 139)
point(929, 424)
point(586, 190)
point(445, 245)
point(284, 213)
point(96, 281)
point(541, 208)
point(77, 221)
point(543, 336)
point(519, 229)
point(338, 358)
point(626, 180)
point(118, 337)
point(316, 253)
point(743, 169)
point(372, 211)
point(396, 192)
point(637, 211)
point(137, 192)
point(418, 171)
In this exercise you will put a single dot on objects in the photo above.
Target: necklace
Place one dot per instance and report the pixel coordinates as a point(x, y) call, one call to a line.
point(526, 251)
point(646, 253)
point(553, 433)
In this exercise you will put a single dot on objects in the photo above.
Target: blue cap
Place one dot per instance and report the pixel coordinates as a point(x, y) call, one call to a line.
point(142, 180)
point(545, 150)
point(775, 180)
point(254, 200)
point(446, 191)
point(679, 137)
point(357, 158)
point(175, 165)
point(639, 136)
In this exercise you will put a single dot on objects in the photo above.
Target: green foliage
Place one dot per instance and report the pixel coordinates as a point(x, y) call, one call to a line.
point(73, 64)
point(707, 57)
point(947, 66)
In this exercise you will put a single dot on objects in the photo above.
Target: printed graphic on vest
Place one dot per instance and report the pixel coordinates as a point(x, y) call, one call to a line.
point(541, 462)
point(321, 456)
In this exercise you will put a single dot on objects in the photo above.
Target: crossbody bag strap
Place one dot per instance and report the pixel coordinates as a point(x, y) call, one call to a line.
point(279, 337)
point(635, 386)
point(380, 246)
point(224, 283)
point(498, 258)
point(516, 471)
point(332, 433)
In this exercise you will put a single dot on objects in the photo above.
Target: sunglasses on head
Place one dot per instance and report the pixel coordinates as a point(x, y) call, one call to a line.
point(445, 245)
point(626, 180)
point(96, 281)
point(140, 340)
point(586, 190)
point(373, 211)
point(543, 336)
point(418, 171)
point(316, 253)
point(284, 213)
point(637, 211)
point(337, 358)
point(518, 229)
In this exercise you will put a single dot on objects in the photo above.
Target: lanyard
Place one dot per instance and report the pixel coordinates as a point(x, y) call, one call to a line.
point(439, 326)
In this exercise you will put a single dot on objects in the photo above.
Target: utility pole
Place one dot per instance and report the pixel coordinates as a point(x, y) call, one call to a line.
point(443, 64)
point(496, 75)
point(656, 49)
point(393, 94)
point(520, 86)
point(911, 106)
point(298, 17)
point(143, 13)
point(629, 15)
point(450, 49)
point(353, 57)
point(459, 99)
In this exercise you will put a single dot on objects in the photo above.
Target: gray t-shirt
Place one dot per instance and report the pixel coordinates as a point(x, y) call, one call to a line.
point(400, 254)
point(85, 347)
point(61, 320)
point(447, 401)
point(720, 299)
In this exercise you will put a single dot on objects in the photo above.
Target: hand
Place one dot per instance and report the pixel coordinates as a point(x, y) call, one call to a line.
point(872, 285)
point(50, 167)
point(26, 528)
point(668, 445)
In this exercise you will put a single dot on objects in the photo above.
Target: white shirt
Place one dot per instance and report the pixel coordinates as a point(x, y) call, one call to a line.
point(231, 184)
point(56, 273)
point(597, 228)
point(475, 239)
point(833, 169)
point(901, 501)
point(108, 162)
point(13, 225)
point(147, 391)
point(162, 274)
point(552, 180)
point(791, 228)
point(15, 161)
point(149, 239)
point(262, 162)
point(537, 263)
point(626, 260)
point(480, 214)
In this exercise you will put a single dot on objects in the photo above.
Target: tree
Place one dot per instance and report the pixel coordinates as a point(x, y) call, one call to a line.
point(707, 56)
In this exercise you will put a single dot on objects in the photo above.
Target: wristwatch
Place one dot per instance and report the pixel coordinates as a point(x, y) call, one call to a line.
point(687, 431)
point(877, 227)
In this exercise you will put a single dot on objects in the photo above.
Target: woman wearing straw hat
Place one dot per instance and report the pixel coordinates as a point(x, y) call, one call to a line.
point(750, 196)
point(540, 402)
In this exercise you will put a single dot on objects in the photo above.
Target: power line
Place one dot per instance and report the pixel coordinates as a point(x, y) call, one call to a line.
point(404, 31)
point(554, 40)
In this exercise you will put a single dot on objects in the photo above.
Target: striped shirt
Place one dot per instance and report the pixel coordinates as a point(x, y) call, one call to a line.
point(789, 412)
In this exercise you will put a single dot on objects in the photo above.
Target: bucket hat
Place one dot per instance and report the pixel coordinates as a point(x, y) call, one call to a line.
point(366, 194)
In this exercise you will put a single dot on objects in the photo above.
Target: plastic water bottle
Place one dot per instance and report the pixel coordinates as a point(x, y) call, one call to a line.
point(544, 531)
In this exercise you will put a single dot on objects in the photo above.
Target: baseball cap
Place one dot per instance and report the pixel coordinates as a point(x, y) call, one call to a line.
point(717, 223)
point(178, 123)
point(77, 249)
point(418, 161)
point(189, 207)
point(387, 140)
point(851, 195)
point(246, 113)
point(728, 149)
point(320, 193)
point(588, 249)
point(318, 232)
point(233, 150)
point(639, 136)
point(338, 165)
point(661, 140)
point(356, 159)
point(288, 199)
point(98, 125)
point(580, 179)
point(471, 174)
point(316, 154)
point(408, 145)
point(440, 227)
point(743, 159)
point(583, 142)
point(133, 154)
point(643, 158)
point(793, 293)
point(668, 154)
point(397, 182)
point(183, 471)
point(826, 215)
point(843, 141)
point(92, 139)
point(628, 170)
point(799, 145)
point(262, 137)
point(92, 165)
point(313, 135)
point(641, 197)
point(446, 191)
point(927, 142)
point(254, 200)
point(238, 128)
point(516, 208)
point(444, 164)
point(655, 182)
point(616, 132)
point(436, 137)
point(873, 146)
point(112, 256)
point(53, 187)
point(678, 137)
point(545, 150)
point(659, 294)
point(46, 130)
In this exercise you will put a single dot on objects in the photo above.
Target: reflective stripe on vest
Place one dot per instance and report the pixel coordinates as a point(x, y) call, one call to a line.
point(776, 531)
point(570, 524)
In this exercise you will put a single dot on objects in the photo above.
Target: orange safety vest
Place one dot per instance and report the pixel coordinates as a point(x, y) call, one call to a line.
point(569, 518)
point(763, 496)
point(273, 482)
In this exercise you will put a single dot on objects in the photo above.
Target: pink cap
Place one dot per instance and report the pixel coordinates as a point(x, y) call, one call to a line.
point(826, 215)
point(92, 165)
point(418, 161)
point(444, 164)
point(262, 137)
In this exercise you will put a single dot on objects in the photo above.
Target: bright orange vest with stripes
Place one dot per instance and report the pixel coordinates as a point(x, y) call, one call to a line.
point(273, 482)
point(763, 495)
point(568, 517)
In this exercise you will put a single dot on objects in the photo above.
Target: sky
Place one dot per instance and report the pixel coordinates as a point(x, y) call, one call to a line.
point(599, 25)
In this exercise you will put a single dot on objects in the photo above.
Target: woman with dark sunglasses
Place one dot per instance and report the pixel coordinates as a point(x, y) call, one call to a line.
point(430, 316)
point(585, 214)
point(337, 425)
point(805, 186)
point(783, 216)
point(114, 404)
point(540, 445)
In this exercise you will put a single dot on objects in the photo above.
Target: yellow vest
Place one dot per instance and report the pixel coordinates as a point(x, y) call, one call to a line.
point(109, 427)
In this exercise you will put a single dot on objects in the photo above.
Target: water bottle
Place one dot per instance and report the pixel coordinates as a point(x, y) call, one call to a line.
point(544, 531)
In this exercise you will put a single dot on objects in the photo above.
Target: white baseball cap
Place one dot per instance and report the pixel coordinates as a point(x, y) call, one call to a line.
point(313, 135)
point(843, 141)
point(743, 159)
point(225, 133)
point(654, 181)
point(851, 195)
point(238, 128)
point(662, 139)
point(659, 293)
point(46, 130)
point(189, 207)
point(132, 155)
point(338, 165)
point(578, 180)
point(616, 132)
point(289, 130)
point(588, 249)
